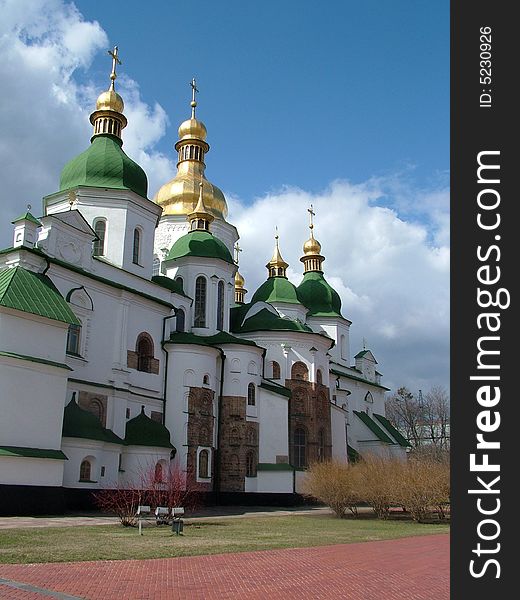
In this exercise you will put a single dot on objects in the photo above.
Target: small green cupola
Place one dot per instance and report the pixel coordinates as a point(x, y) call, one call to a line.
point(314, 292)
point(104, 164)
point(143, 431)
point(277, 288)
point(80, 423)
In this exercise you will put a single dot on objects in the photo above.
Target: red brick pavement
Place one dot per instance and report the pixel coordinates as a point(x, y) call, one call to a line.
point(415, 568)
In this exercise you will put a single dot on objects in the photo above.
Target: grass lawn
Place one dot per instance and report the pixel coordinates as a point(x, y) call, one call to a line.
point(114, 542)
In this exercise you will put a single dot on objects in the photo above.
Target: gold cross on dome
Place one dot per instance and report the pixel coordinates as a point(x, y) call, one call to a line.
point(311, 215)
point(194, 90)
point(238, 249)
point(115, 61)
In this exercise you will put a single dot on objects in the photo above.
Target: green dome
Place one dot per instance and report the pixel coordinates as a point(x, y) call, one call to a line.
point(200, 243)
point(276, 289)
point(318, 296)
point(265, 320)
point(105, 165)
point(143, 431)
point(80, 423)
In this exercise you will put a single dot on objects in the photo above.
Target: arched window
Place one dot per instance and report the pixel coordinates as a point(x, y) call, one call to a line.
point(156, 267)
point(342, 347)
point(100, 227)
point(180, 282)
point(200, 302)
point(136, 252)
point(321, 445)
point(276, 370)
point(300, 447)
point(234, 465)
point(220, 306)
point(205, 380)
point(74, 339)
point(204, 464)
point(299, 371)
point(85, 470)
point(250, 464)
point(319, 377)
point(251, 436)
point(369, 397)
point(234, 437)
point(180, 320)
point(144, 350)
point(251, 395)
point(96, 408)
point(158, 474)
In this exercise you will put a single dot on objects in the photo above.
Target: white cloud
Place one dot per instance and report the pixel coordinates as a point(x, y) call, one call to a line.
point(392, 274)
point(45, 48)
point(385, 241)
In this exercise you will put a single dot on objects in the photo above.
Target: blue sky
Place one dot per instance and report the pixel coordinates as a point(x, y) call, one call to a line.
point(294, 92)
point(342, 104)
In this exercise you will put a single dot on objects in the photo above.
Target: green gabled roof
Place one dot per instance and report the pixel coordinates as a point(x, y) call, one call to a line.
point(169, 284)
point(79, 423)
point(276, 388)
point(353, 454)
point(276, 289)
point(362, 379)
point(318, 296)
point(218, 339)
point(36, 359)
point(265, 320)
point(374, 427)
point(18, 451)
point(200, 244)
point(104, 165)
point(400, 439)
point(143, 431)
point(27, 217)
point(33, 293)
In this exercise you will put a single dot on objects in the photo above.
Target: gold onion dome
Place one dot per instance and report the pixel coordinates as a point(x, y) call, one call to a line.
point(312, 258)
point(239, 280)
point(180, 195)
point(311, 246)
point(110, 100)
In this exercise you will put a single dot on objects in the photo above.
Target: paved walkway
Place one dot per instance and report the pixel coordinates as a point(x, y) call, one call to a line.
point(415, 568)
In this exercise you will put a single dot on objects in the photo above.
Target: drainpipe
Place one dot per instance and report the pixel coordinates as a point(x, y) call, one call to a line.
point(167, 355)
point(218, 470)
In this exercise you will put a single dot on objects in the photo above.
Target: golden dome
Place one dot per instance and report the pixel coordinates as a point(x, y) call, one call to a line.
point(110, 100)
point(181, 194)
point(311, 246)
point(192, 129)
point(239, 280)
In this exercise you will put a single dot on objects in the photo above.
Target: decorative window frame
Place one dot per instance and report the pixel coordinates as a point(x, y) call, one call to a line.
point(210, 463)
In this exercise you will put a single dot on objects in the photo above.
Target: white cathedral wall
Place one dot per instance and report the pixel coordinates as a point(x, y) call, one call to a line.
point(138, 464)
point(280, 482)
point(243, 365)
point(274, 426)
point(31, 471)
point(339, 331)
point(99, 454)
point(32, 399)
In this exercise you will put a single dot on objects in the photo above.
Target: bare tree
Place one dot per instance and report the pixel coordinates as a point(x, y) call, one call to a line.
point(425, 422)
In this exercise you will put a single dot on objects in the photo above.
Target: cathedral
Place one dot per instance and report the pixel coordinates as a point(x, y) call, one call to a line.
point(128, 342)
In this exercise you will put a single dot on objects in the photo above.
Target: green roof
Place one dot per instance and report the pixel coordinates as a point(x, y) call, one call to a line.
point(274, 467)
point(18, 451)
point(353, 454)
point(80, 423)
point(374, 427)
point(400, 439)
point(27, 217)
point(265, 320)
point(104, 165)
point(318, 296)
point(276, 289)
point(276, 388)
point(143, 431)
point(218, 339)
point(362, 379)
point(36, 359)
point(169, 284)
point(33, 293)
point(200, 244)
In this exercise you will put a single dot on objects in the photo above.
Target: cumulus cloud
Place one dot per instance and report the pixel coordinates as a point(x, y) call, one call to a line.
point(46, 48)
point(385, 240)
point(392, 274)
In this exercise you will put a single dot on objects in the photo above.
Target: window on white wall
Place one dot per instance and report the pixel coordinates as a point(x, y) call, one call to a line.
point(200, 302)
point(180, 319)
point(85, 470)
point(251, 395)
point(136, 251)
point(100, 227)
point(74, 339)
point(204, 464)
point(220, 306)
point(156, 267)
